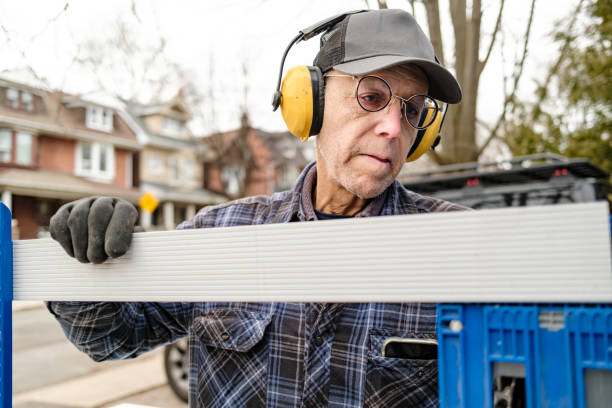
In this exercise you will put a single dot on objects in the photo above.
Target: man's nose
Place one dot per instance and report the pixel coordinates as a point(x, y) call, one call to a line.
point(390, 120)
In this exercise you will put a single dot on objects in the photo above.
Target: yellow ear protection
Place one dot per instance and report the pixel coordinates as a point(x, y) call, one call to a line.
point(302, 97)
point(429, 137)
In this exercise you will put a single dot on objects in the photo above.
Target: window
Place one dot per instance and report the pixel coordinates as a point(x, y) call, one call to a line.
point(12, 96)
point(188, 170)
point(86, 160)
point(155, 163)
point(95, 160)
point(174, 169)
point(129, 170)
point(99, 118)
point(27, 100)
point(20, 99)
point(6, 145)
point(288, 175)
point(103, 160)
point(232, 177)
point(172, 127)
point(21, 142)
point(24, 148)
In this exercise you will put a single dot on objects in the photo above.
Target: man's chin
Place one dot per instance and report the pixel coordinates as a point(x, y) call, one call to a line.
point(369, 189)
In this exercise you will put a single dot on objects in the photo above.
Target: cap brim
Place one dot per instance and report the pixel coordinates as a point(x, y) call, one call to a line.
point(442, 84)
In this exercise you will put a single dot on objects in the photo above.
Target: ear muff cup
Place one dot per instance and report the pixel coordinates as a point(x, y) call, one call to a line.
point(303, 100)
point(425, 138)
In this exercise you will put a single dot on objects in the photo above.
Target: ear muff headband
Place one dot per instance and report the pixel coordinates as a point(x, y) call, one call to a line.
point(426, 138)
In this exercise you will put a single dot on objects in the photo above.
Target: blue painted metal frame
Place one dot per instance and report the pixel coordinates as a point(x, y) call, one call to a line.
point(6, 316)
point(554, 353)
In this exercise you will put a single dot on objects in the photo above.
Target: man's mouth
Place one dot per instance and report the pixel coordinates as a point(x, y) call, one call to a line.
point(382, 159)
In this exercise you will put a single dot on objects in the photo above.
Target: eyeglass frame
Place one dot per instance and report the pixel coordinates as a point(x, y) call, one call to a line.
point(403, 101)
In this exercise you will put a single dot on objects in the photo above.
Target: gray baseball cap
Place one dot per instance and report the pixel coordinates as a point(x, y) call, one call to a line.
point(373, 40)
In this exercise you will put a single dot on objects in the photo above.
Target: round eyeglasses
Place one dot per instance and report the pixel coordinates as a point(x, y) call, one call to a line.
point(374, 93)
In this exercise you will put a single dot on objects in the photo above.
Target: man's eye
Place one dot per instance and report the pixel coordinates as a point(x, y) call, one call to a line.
point(372, 100)
point(411, 110)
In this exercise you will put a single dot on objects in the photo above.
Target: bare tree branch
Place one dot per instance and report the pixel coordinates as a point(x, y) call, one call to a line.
point(517, 76)
point(436, 157)
point(458, 17)
point(542, 91)
point(134, 12)
point(483, 124)
point(412, 5)
point(50, 21)
point(495, 31)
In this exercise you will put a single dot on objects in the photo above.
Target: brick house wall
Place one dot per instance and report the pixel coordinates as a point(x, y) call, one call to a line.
point(266, 150)
point(25, 210)
point(121, 167)
point(261, 179)
point(56, 154)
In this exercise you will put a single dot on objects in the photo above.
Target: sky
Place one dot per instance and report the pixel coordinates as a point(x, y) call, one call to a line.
point(214, 40)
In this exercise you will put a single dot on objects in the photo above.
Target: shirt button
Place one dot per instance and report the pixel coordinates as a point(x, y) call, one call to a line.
point(318, 341)
point(225, 336)
point(420, 373)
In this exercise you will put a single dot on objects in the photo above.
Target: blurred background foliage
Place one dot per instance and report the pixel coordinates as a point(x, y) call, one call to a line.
point(572, 112)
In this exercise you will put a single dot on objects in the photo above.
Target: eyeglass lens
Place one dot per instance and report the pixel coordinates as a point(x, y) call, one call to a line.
point(374, 94)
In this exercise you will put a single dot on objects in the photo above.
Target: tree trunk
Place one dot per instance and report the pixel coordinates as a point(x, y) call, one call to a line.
point(435, 32)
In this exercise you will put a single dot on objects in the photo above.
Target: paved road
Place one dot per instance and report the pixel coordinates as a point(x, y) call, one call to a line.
point(49, 372)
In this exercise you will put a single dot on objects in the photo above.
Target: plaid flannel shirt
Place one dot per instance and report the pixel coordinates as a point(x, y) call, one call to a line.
point(276, 354)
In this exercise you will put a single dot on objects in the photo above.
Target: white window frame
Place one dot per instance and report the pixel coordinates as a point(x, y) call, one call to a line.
point(129, 171)
point(175, 171)
point(9, 132)
point(171, 126)
point(12, 96)
point(289, 174)
point(95, 172)
point(27, 101)
point(188, 172)
point(18, 147)
point(99, 118)
point(154, 162)
point(232, 176)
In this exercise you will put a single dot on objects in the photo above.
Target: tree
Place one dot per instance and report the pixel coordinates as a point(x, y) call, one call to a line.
point(460, 138)
point(572, 114)
point(129, 64)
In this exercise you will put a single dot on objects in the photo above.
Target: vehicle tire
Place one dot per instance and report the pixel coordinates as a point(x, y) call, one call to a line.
point(176, 365)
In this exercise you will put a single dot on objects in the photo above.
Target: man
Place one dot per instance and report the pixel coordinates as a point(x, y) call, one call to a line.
point(296, 354)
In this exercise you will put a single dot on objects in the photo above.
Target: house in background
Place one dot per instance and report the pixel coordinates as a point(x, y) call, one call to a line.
point(55, 148)
point(248, 161)
point(170, 166)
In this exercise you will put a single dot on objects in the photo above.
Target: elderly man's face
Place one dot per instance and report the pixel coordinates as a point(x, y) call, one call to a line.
point(362, 151)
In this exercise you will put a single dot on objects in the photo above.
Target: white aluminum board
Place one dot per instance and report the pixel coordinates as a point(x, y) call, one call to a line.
point(531, 254)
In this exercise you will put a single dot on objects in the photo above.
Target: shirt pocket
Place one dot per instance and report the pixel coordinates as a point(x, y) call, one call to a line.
point(399, 382)
point(234, 330)
point(228, 355)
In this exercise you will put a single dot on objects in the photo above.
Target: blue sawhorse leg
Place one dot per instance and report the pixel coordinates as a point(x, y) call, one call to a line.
point(6, 317)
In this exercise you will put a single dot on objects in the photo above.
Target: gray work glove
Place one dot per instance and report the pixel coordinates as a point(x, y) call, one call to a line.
point(95, 228)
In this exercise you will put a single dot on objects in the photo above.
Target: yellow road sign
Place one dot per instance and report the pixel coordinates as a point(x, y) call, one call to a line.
point(148, 202)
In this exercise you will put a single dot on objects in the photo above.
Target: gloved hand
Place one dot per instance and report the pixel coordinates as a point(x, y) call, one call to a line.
point(94, 228)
